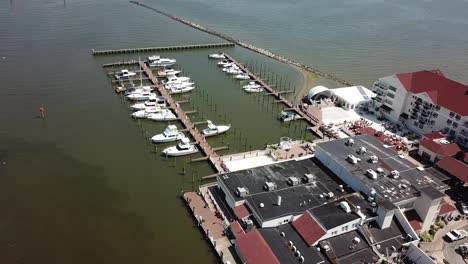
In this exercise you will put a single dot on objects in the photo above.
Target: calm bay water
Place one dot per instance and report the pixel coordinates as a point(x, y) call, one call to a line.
point(84, 186)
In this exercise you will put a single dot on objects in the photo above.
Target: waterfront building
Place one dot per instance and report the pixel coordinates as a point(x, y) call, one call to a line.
point(349, 98)
point(435, 147)
point(369, 166)
point(424, 102)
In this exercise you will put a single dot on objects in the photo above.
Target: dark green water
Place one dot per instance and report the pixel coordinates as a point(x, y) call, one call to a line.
point(84, 185)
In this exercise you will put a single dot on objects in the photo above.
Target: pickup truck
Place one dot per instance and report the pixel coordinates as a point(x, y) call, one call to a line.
point(456, 235)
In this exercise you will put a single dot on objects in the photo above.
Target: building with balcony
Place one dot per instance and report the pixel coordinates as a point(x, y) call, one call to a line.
point(424, 102)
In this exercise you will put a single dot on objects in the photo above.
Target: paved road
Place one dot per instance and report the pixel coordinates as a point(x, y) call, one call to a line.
point(449, 250)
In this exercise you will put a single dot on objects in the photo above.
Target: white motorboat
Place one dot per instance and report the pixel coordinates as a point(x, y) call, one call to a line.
point(233, 70)
point(178, 85)
point(223, 63)
point(157, 61)
point(228, 66)
point(178, 90)
point(137, 89)
point(163, 115)
point(286, 116)
point(168, 72)
point(242, 76)
point(175, 79)
point(251, 85)
point(141, 95)
point(219, 56)
point(170, 134)
point(182, 148)
point(124, 74)
point(254, 90)
point(146, 112)
point(151, 102)
point(213, 129)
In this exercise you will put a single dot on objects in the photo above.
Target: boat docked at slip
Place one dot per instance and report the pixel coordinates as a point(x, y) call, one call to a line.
point(178, 85)
point(146, 112)
point(179, 90)
point(157, 61)
point(213, 129)
point(174, 79)
point(233, 70)
point(154, 100)
point(163, 115)
point(168, 72)
point(124, 74)
point(224, 63)
point(219, 56)
point(254, 90)
point(182, 148)
point(242, 76)
point(140, 95)
point(170, 134)
point(251, 85)
point(286, 116)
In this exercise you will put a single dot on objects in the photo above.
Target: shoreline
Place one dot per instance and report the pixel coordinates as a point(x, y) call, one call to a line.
point(308, 80)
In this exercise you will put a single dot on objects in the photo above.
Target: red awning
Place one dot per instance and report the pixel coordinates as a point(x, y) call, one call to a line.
point(454, 167)
point(241, 211)
point(254, 249)
point(308, 228)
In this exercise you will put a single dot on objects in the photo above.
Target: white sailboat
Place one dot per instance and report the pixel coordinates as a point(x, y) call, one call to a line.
point(219, 56)
point(163, 115)
point(213, 129)
point(233, 70)
point(146, 112)
point(223, 63)
point(168, 72)
point(124, 74)
point(182, 148)
point(170, 134)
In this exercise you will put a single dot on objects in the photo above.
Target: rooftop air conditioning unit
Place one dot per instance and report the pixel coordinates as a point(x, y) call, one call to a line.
point(270, 186)
point(350, 142)
point(309, 178)
point(293, 181)
point(380, 170)
point(242, 192)
point(371, 174)
point(345, 206)
point(352, 159)
point(395, 174)
point(361, 150)
point(373, 159)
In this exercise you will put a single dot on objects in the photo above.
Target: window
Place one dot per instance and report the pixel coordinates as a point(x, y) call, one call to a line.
point(286, 220)
point(388, 102)
point(455, 125)
point(390, 95)
point(416, 123)
point(421, 126)
point(392, 88)
point(354, 225)
point(452, 114)
point(449, 121)
point(334, 233)
point(344, 228)
point(457, 117)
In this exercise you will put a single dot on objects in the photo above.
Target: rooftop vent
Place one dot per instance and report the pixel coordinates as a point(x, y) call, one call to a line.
point(373, 159)
point(352, 159)
point(380, 170)
point(301, 259)
point(309, 178)
point(282, 234)
point(350, 142)
point(326, 248)
point(278, 200)
point(242, 191)
point(395, 174)
point(361, 150)
point(293, 181)
point(330, 195)
point(371, 174)
point(444, 142)
point(270, 186)
point(356, 240)
point(345, 206)
point(261, 205)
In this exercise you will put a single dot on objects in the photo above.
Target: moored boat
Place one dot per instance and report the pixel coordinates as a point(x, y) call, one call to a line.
point(242, 76)
point(286, 116)
point(182, 148)
point(146, 112)
point(213, 129)
point(170, 134)
point(163, 115)
point(157, 61)
point(219, 56)
point(151, 102)
point(124, 74)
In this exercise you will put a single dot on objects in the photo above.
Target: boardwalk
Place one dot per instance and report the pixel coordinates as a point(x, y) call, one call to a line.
point(277, 94)
point(212, 156)
point(167, 48)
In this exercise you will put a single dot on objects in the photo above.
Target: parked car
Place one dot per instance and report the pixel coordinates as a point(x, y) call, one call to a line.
point(462, 207)
point(456, 235)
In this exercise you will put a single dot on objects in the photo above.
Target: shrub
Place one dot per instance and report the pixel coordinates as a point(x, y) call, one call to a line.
point(426, 237)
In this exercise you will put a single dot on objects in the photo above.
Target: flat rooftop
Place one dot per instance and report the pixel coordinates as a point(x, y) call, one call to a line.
point(407, 186)
point(392, 236)
point(331, 215)
point(279, 245)
point(294, 199)
point(344, 250)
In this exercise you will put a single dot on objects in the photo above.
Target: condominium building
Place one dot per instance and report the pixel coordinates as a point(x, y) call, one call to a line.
point(424, 102)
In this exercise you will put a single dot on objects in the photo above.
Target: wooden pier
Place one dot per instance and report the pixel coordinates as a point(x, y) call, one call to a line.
point(210, 153)
point(275, 93)
point(167, 48)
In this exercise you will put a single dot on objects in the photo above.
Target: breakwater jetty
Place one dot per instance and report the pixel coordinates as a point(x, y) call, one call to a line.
point(248, 46)
point(167, 48)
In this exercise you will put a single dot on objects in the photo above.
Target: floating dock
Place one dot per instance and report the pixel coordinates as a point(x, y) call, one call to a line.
point(167, 48)
point(277, 94)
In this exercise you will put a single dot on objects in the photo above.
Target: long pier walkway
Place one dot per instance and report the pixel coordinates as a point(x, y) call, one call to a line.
point(277, 94)
point(211, 155)
point(167, 48)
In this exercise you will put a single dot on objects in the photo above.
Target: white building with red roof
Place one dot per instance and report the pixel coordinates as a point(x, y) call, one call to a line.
point(424, 102)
